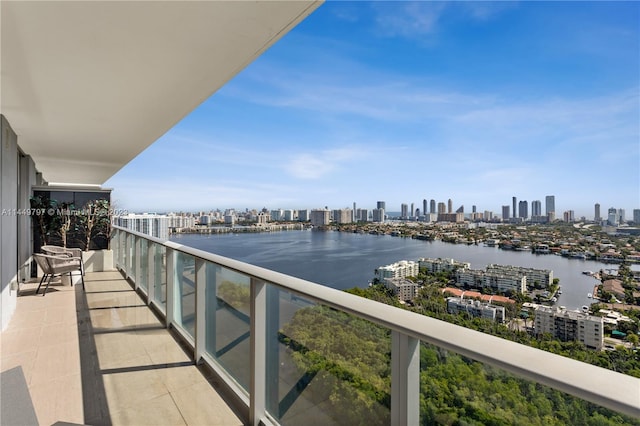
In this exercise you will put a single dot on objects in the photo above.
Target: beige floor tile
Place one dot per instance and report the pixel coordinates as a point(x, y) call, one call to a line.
point(18, 341)
point(115, 349)
point(158, 411)
point(54, 362)
point(177, 378)
point(26, 360)
point(62, 315)
point(28, 318)
point(58, 333)
point(201, 405)
point(133, 358)
point(58, 400)
point(132, 389)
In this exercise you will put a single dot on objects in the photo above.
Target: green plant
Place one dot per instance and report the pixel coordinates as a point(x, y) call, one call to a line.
point(94, 218)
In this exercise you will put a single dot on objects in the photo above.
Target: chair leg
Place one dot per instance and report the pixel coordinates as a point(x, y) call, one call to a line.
point(70, 278)
point(82, 279)
point(41, 281)
point(48, 282)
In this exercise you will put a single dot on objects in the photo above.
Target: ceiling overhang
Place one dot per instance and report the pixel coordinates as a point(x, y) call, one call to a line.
point(89, 85)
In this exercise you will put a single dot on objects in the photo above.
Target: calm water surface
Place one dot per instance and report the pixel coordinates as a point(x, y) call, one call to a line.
point(344, 260)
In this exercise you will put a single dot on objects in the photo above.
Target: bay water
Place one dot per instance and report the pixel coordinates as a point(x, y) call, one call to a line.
point(344, 260)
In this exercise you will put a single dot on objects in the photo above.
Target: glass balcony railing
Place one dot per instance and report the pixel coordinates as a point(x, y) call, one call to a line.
point(291, 350)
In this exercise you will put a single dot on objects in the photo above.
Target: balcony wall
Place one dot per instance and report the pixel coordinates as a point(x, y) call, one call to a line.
point(258, 331)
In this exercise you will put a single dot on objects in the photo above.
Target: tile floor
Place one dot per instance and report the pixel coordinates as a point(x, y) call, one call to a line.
point(102, 357)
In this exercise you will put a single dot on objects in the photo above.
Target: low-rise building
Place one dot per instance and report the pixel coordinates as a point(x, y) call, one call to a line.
point(401, 269)
point(442, 265)
point(405, 290)
point(475, 308)
point(567, 325)
point(497, 281)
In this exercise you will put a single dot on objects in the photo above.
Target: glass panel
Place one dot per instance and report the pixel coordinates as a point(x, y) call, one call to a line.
point(185, 291)
point(133, 251)
point(458, 390)
point(331, 366)
point(160, 275)
point(113, 245)
point(144, 265)
point(122, 254)
point(227, 313)
point(129, 254)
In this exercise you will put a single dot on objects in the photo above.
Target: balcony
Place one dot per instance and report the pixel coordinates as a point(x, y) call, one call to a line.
point(184, 336)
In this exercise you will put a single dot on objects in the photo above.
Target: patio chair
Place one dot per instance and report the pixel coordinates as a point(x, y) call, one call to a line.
point(63, 251)
point(57, 265)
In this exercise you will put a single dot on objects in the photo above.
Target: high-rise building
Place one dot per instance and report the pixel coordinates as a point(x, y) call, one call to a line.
point(513, 202)
point(424, 206)
point(342, 216)
point(596, 213)
point(354, 213)
point(636, 216)
point(550, 204)
point(460, 209)
point(432, 205)
point(523, 209)
point(612, 217)
point(303, 215)
point(473, 209)
point(404, 211)
point(449, 206)
point(536, 208)
point(381, 205)
point(442, 208)
point(362, 215)
point(621, 217)
point(505, 213)
point(378, 215)
point(320, 217)
point(154, 225)
point(412, 212)
point(569, 216)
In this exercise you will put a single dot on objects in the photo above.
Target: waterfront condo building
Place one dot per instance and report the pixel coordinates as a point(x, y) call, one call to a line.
point(401, 269)
point(320, 217)
point(441, 265)
point(568, 325)
point(378, 215)
point(405, 290)
point(475, 308)
point(153, 225)
point(550, 205)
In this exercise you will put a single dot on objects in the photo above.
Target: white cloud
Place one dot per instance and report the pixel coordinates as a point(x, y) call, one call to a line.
point(408, 19)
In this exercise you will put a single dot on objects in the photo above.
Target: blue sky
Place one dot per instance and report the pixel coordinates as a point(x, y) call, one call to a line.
point(399, 101)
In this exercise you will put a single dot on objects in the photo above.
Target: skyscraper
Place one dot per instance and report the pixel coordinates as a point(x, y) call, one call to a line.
point(505, 213)
point(523, 209)
point(612, 217)
point(381, 205)
point(424, 206)
point(550, 204)
point(412, 212)
point(449, 206)
point(432, 205)
point(404, 211)
point(442, 208)
point(636, 216)
point(596, 215)
point(513, 201)
point(621, 217)
point(536, 208)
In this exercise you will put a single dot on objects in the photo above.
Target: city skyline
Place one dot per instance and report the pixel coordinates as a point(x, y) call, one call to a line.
point(478, 102)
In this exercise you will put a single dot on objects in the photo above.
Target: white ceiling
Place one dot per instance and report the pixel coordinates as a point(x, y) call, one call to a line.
point(89, 85)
